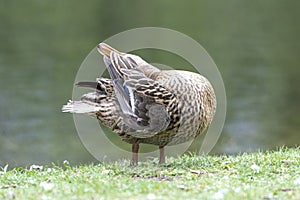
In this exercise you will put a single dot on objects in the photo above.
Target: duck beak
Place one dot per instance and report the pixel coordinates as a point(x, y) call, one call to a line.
point(105, 50)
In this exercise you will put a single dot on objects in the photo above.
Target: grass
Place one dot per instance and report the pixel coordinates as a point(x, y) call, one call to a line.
point(262, 175)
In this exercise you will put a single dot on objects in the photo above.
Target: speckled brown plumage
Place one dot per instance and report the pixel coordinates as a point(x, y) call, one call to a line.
point(143, 104)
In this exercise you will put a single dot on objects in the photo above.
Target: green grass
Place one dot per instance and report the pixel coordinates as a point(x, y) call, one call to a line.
point(262, 175)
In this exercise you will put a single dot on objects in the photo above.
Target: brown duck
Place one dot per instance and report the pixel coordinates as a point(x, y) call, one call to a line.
point(144, 104)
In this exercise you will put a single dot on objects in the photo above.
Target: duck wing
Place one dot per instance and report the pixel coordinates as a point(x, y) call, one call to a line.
point(144, 102)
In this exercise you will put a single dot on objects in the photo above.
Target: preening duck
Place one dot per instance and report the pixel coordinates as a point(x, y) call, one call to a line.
point(143, 104)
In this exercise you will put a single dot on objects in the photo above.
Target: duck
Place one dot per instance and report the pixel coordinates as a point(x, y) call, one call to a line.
point(143, 104)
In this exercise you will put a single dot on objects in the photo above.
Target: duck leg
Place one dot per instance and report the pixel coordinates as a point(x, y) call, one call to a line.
point(135, 150)
point(161, 155)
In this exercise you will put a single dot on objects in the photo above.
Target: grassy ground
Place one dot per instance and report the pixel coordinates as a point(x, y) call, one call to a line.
point(263, 175)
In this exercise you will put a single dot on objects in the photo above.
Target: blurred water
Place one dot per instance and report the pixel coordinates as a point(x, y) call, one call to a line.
point(255, 45)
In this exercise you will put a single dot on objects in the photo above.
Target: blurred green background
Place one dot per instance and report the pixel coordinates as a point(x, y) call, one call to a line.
point(255, 44)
